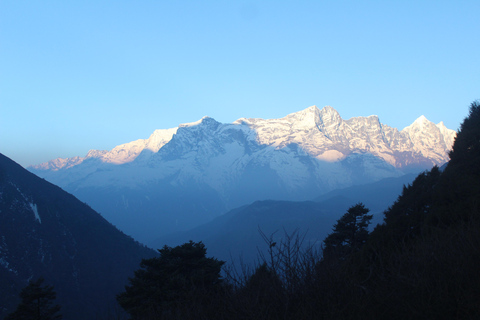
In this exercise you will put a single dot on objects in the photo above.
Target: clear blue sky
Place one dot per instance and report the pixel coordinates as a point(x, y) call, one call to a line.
point(80, 75)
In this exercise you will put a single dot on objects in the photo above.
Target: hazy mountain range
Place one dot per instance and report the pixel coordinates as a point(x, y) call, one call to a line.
point(182, 177)
point(236, 236)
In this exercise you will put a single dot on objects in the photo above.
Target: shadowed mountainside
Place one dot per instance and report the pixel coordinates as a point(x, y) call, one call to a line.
point(47, 232)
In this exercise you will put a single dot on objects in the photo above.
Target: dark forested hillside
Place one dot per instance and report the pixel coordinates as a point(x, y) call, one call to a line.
point(422, 262)
point(46, 232)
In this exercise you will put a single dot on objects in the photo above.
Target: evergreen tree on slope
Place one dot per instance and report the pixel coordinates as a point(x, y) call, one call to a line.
point(37, 303)
point(349, 233)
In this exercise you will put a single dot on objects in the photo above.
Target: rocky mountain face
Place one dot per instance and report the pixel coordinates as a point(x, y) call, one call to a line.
point(46, 232)
point(185, 176)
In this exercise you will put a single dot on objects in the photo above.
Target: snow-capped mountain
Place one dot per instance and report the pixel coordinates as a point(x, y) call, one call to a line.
point(184, 176)
point(123, 153)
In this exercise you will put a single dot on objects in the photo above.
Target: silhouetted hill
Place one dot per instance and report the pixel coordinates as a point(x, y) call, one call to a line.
point(236, 235)
point(47, 232)
point(376, 196)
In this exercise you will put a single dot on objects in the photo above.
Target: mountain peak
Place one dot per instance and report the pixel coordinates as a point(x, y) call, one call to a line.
point(304, 119)
point(308, 111)
point(329, 112)
point(420, 123)
point(441, 125)
point(329, 116)
point(421, 120)
point(206, 120)
point(329, 109)
point(313, 108)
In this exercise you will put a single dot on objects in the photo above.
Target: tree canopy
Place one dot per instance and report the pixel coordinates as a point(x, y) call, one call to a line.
point(182, 280)
point(37, 303)
point(349, 233)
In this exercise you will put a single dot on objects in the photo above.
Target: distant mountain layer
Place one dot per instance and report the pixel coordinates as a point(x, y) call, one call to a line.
point(185, 176)
point(236, 236)
point(46, 232)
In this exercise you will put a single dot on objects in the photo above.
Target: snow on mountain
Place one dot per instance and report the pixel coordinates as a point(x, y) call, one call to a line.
point(322, 134)
point(59, 163)
point(297, 157)
point(448, 135)
point(430, 140)
point(121, 154)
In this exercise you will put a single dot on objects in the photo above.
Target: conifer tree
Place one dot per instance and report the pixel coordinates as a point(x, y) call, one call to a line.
point(179, 283)
point(462, 174)
point(349, 233)
point(37, 303)
point(466, 149)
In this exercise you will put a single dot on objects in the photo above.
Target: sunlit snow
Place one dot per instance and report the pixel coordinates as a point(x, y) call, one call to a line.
point(214, 153)
point(35, 211)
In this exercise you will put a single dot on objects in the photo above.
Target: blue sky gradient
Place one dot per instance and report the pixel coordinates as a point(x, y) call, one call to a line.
point(80, 75)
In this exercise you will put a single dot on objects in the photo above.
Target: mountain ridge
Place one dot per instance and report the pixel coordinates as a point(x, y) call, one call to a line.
point(327, 120)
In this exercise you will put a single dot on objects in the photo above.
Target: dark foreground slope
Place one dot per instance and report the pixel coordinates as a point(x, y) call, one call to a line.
point(47, 232)
point(422, 263)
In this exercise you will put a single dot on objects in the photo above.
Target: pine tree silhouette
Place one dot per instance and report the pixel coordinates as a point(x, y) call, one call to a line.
point(37, 303)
